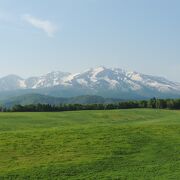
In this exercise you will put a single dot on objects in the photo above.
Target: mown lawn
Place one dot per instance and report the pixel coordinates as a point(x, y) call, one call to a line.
point(117, 144)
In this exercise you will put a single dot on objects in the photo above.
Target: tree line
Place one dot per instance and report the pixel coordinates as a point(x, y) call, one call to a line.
point(152, 103)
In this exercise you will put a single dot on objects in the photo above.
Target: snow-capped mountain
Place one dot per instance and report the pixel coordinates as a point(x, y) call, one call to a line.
point(11, 82)
point(49, 80)
point(111, 82)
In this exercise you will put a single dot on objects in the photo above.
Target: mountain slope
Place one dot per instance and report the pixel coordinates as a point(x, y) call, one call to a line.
point(32, 99)
point(44, 99)
point(107, 82)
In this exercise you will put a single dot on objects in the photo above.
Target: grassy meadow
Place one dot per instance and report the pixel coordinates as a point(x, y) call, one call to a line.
point(115, 144)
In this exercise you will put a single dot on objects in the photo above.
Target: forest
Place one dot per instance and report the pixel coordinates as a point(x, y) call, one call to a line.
point(151, 103)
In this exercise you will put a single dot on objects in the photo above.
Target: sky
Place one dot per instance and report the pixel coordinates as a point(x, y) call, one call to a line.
point(39, 36)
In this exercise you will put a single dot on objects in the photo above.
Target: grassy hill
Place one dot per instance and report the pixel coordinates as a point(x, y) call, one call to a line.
point(117, 144)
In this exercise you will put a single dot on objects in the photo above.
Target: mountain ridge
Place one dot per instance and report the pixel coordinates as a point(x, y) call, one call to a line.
point(106, 82)
point(28, 99)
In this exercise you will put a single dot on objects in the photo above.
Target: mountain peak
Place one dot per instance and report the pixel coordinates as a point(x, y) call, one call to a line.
point(11, 76)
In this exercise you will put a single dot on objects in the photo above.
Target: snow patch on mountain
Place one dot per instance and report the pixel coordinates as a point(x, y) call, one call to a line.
point(111, 82)
point(134, 76)
point(97, 71)
point(70, 77)
point(82, 82)
point(22, 83)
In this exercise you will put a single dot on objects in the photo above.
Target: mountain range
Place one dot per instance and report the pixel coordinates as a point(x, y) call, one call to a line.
point(100, 81)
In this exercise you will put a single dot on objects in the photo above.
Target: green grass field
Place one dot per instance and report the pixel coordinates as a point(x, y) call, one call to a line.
point(117, 144)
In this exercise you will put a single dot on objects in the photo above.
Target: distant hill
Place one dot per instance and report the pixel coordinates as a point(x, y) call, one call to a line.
point(44, 99)
point(32, 99)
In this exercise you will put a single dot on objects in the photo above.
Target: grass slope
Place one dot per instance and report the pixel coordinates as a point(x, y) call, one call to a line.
point(117, 144)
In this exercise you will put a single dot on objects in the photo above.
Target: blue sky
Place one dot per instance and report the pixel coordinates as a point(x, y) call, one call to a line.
point(38, 36)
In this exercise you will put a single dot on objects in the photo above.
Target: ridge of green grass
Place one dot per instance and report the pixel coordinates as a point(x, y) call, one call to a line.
point(114, 144)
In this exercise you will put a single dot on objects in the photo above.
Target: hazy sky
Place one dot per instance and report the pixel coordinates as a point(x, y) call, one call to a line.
point(38, 36)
